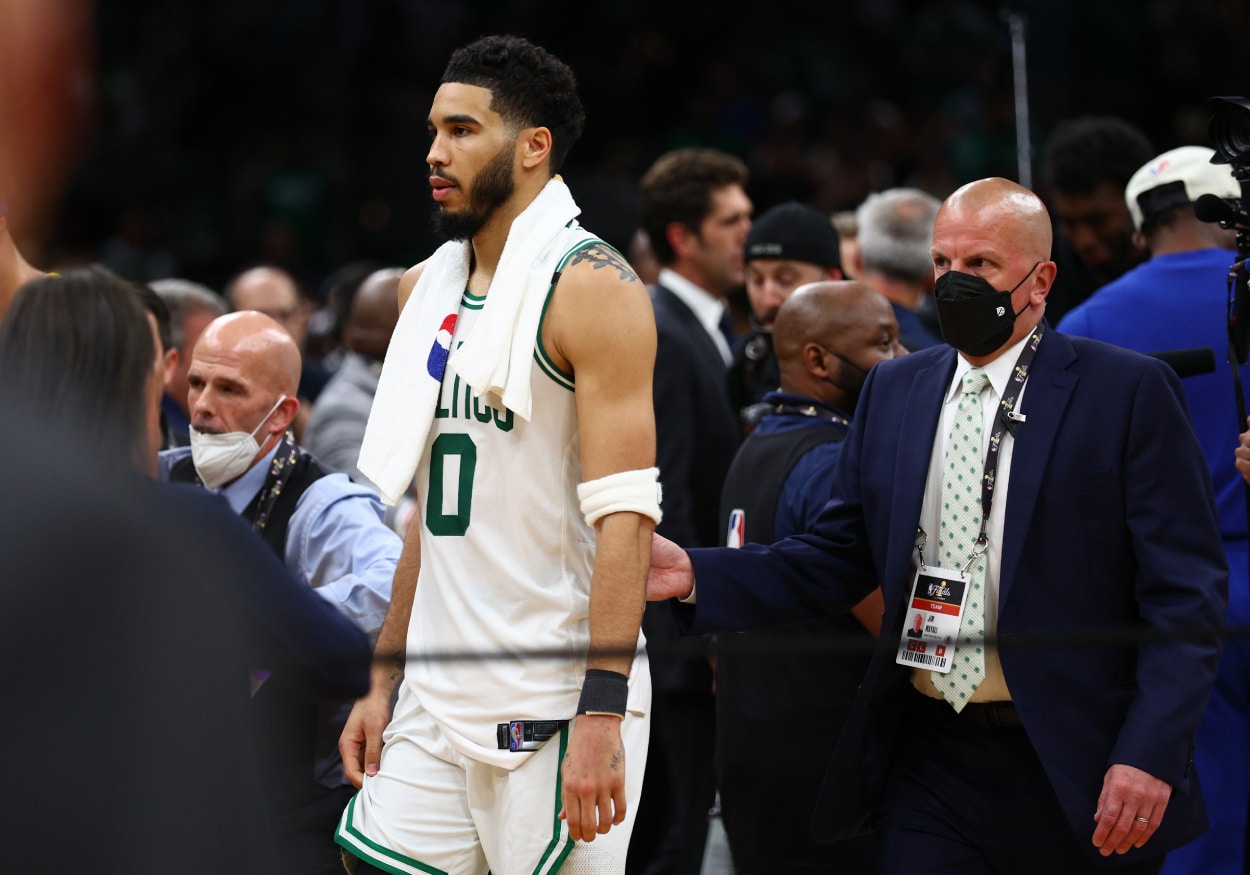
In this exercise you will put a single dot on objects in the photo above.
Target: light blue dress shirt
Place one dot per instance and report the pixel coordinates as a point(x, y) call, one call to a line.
point(336, 540)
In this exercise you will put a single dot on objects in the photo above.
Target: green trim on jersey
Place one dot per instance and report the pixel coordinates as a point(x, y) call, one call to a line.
point(558, 376)
point(387, 860)
point(472, 302)
point(561, 847)
point(550, 368)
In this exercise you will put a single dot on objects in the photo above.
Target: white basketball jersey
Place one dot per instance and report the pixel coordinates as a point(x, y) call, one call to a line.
point(506, 560)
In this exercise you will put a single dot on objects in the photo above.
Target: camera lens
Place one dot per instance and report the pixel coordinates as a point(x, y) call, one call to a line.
point(1233, 134)
point(1230, 129)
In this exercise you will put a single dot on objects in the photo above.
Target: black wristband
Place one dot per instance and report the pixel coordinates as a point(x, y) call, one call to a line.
point(604, 692)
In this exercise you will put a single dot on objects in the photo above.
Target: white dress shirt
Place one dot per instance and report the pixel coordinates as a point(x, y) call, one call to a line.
point(994, 687)
point(709, 310)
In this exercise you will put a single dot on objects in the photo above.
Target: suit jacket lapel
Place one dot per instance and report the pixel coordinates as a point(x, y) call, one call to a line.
point(911, 464)
point(1046, 396)
point(690, 323)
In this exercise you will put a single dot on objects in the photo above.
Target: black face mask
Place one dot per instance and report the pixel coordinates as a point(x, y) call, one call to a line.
point(851, 379)
point(975, 318)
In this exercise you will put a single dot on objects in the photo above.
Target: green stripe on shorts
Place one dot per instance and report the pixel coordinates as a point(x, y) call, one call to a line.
point(354, 841)
point(561, 846)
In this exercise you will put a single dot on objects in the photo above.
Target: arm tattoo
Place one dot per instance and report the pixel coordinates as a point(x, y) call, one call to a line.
point(601, 256)
point(618, 758)
point(398, 659)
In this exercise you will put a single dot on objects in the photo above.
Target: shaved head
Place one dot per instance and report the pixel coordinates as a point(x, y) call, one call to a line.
point(1018, 215)
point(823, 312)
point(262, 285)
point(274, 292)
point(828, 334)
point(243, 377)
point(264, 351)
point(999, 231)
point(374, 312)
point(378, 290)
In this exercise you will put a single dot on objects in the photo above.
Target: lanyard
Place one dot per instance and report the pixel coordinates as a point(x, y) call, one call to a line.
point(1006, 421)
point(811, 410)
point(279, 473)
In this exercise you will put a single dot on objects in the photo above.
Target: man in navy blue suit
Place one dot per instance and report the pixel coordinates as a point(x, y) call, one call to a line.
point(1098, 580)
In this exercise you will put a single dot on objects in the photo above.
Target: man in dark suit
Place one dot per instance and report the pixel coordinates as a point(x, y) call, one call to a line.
point(697, 215)
point(1075, 744)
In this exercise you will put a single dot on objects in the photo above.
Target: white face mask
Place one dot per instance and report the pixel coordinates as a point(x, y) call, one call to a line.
point(221, 458)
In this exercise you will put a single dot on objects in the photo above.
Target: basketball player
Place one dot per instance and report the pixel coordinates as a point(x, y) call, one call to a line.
point(518, 387)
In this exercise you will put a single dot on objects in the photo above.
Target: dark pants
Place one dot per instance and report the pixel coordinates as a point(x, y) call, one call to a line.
point(975, 800)
point(679, 786)
point(847, 857)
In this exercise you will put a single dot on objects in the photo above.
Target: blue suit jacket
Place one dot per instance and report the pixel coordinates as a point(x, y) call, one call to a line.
point(1109, 524)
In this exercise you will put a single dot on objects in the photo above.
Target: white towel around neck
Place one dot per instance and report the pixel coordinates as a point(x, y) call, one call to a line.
point(496, 357)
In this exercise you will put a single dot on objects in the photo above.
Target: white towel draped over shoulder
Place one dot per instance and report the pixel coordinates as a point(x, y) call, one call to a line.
point(496, 357)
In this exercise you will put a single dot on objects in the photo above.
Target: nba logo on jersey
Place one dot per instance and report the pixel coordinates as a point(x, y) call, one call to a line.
point(736, 536)
point(437, 362)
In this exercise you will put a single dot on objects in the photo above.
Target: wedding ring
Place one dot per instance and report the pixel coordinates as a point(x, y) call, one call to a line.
point(1145, 820)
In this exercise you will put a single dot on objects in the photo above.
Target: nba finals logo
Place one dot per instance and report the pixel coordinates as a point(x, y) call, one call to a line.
point(939, 590)
point(437, 362)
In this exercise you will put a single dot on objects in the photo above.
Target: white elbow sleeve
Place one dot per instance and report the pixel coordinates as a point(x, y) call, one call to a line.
point(636, 491)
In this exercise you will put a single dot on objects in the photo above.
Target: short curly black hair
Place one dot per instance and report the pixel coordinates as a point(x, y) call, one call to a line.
point(529, 87)
point(1084, 153)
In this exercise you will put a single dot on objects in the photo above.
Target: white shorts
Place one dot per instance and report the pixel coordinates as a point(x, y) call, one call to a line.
point(432, 810)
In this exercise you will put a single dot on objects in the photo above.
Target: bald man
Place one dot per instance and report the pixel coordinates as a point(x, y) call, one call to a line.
point(274, 292)
point(1071, 741)
point(329, 532)
point(336, 427)
point(827, 336)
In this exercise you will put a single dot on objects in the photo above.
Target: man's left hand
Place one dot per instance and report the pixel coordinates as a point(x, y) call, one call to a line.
point(593, 776)
point(1130, 809)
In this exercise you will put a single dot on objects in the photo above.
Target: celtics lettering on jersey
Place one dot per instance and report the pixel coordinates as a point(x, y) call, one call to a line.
point(457, 400)
point(453, 457)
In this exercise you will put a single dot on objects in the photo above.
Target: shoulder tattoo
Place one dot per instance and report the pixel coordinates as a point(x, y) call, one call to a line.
point(601, 256)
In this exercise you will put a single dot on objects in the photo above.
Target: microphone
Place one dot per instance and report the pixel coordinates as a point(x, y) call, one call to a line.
point(1188, 362)
point(1213, 208)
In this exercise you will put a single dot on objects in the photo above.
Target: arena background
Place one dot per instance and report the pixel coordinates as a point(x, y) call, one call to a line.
point(293, 131)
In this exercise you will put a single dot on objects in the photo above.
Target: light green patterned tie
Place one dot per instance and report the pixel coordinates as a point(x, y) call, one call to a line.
point(960, 526)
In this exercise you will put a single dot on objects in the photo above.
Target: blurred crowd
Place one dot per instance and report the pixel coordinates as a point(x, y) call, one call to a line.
point(293, 133)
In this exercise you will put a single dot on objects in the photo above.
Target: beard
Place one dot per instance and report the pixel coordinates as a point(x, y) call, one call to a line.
point(492, 187)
